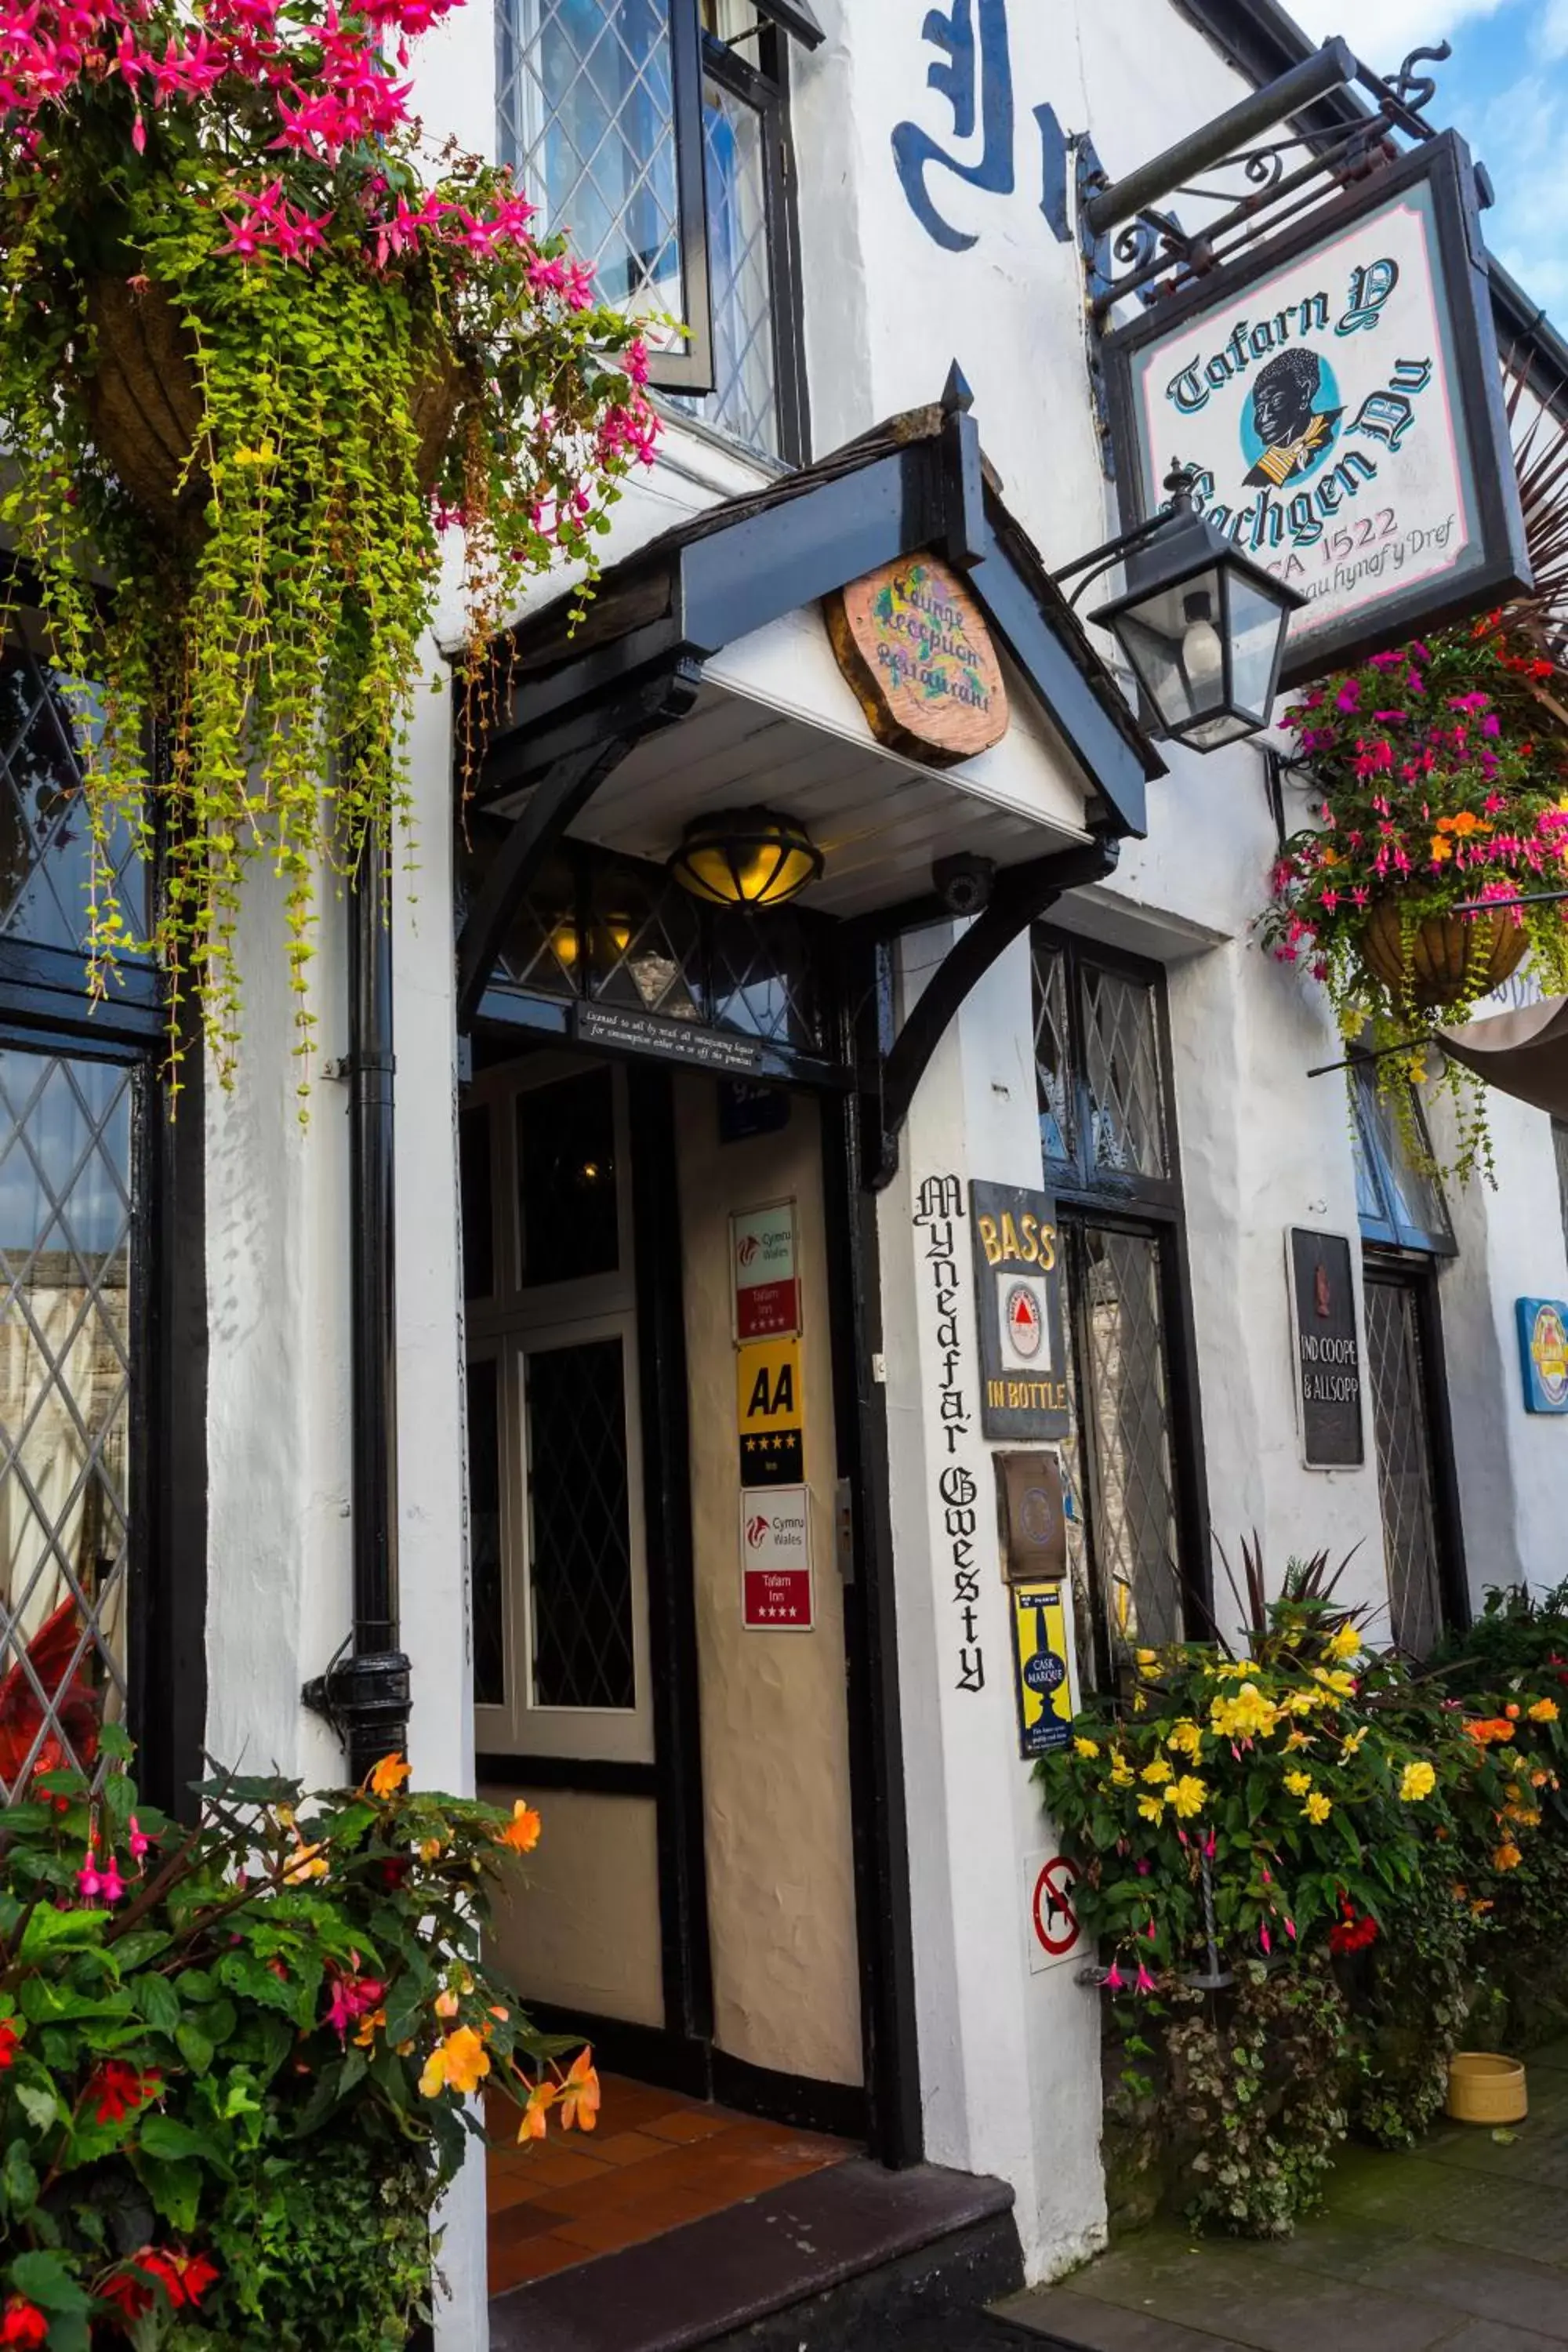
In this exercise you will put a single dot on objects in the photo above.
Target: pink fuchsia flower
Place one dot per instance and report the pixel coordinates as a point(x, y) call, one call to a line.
point(1265, 1939)
point(1144, 1983)
point(88, 1879)
point(1114, 1979)
point(139, 1840)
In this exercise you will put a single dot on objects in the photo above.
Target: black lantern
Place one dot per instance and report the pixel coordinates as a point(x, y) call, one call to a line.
point(746, 857)
point(1203, 627)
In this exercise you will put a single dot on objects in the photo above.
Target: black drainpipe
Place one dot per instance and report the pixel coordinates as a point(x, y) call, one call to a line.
point(364, 1693)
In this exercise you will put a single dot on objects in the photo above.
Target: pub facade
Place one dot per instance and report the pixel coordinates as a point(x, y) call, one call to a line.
point(849, 1164)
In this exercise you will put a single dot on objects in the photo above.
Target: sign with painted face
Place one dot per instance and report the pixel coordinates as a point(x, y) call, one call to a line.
point(1022, 1365)
point(1338, 395)
point(1543, 1353)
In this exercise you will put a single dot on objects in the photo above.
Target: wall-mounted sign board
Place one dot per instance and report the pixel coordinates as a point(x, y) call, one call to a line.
point(1034, 1518)
point(665, 1040)
point(1023, 1363)
point(775, 1561)
point(1328, 1349)
point(913, 644)
point(1338, 393)
point(1042, 1661)
point(768, 1402)
point(1543, 1353)
point(764, 1276)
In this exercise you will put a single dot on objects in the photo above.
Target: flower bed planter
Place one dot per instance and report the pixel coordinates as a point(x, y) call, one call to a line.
point(1441, 960)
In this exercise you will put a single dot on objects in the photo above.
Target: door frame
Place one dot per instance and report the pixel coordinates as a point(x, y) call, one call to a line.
point(1415, 1271)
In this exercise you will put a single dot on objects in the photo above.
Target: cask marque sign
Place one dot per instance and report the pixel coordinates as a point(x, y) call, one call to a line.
point(914, 645)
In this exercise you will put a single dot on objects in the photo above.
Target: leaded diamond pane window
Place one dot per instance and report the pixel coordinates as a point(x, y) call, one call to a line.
point(1124, 1402)
point(586, 99)
point(1121, 1059)
point(762, 978)
point(580, 1562)
point(1053, 1053)
point(1406, 1471)
point(645, 949)
point(66, 1132)
point(45, 845)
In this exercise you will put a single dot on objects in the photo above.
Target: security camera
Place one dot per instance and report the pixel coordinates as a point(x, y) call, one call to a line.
point(964, 882)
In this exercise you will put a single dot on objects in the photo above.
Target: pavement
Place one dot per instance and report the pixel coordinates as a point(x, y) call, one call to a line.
point(1462, 2244)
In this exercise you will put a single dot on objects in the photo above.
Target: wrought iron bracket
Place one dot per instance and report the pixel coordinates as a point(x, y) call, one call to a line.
point(366, 1700)
point(1279, 178)
point(1021, 894)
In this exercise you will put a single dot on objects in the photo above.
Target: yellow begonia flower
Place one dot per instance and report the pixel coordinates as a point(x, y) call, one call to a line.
point(1416, 1781)
point(1544, 1711)
point(535, 2115)
point(1507, 1857)
point(580, 2093)
point(1248, 1716)
point(1120, 1772)
point(1351, 1746)
point(1298, 1783)
point(1157, 1768)
point(1086, 1747)
point(308, 1862)
point(1187, 1796)
point(1337, 1681)
point(460, 2063)
point(1299, 1738)
point(1346, 1643)
point(388, 1776)
point(1153, 1808)
point(1185, 1737)
point(1318, 1806)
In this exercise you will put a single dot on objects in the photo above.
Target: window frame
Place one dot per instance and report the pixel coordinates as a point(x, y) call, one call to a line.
point(1389, 1230)
point(1146, 1207)
point(44, 1010)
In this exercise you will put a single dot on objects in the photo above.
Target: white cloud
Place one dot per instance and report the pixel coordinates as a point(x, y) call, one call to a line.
point(1383, 32)
point(1551, 30)
point(1522, 134)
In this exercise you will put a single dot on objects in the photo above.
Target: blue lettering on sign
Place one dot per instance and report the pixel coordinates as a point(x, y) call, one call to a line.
point(975, 77)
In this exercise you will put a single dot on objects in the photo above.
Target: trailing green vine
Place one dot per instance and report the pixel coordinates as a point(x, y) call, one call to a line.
point(256, 362)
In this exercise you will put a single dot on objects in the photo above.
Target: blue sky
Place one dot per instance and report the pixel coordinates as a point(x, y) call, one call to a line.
point(1505, 88)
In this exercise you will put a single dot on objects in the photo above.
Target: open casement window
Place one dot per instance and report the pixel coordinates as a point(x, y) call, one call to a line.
point(655, 135)
point(1108, 1143)
point(556, 1539)
point(1399, 1207)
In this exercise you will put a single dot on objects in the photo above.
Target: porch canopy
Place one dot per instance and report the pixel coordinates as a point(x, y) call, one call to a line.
point(703, 678)
point(1523, 1052)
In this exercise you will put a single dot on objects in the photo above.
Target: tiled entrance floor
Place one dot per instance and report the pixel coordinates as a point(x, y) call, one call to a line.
point(655, 2161)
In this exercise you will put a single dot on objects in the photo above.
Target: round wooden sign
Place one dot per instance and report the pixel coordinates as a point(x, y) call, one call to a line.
point(914, 645)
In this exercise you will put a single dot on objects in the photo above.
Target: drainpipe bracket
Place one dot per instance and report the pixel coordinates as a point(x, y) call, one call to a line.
point(366, 1700)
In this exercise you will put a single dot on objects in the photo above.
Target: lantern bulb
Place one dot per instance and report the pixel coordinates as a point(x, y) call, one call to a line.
point(1203, 656)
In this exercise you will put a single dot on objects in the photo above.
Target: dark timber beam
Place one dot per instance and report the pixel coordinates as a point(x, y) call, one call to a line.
point(1021, 896)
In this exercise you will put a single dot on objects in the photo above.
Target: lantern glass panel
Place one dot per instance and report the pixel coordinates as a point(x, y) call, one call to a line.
point(1173, 639)
point(1256, 632)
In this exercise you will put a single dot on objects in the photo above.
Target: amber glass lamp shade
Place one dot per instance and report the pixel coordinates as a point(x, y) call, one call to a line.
point(746, 857)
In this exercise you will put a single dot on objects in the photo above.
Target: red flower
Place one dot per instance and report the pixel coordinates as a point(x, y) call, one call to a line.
point(119, 2090)
point(130, 2294)
point(23, 2323)
point(184, 2278)
point(10, 2043)
point(1349, 1934)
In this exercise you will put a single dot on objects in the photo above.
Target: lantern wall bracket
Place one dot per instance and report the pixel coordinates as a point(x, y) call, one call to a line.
point(1278, 178)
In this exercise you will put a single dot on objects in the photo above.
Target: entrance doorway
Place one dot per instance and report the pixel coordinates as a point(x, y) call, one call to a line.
point(1415, 1475)
point(692, 1907)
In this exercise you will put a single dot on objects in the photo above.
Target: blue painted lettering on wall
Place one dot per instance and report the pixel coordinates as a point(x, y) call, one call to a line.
point(974, 75)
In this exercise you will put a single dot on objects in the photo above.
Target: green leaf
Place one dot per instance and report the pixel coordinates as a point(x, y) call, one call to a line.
point(48, 1929)
point(41, 2108)
point(174, 2185)
point(159, 2004)
point(143, 1944)
point(166, 2137)
point(18, 2180)
point(45, 2279)
point(195, 2047)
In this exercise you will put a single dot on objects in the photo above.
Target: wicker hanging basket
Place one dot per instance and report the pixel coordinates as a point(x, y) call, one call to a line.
point(146, 413)
point(1446, 958)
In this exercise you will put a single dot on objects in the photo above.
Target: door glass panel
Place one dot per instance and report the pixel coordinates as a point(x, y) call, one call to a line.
point(1406, 1471)
point(1122, 1055)
point(567, 1178)
point(65, 1381)
point(1053, 1054)
point(580, 1550)
point(1125, 1407)
point(485, 1533)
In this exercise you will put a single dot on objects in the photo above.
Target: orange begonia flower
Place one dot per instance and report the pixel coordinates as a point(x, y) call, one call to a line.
point(460, 2063)
point(580, 2093)
point(522, 1833)
point(535, 2115)
point(389, 1776)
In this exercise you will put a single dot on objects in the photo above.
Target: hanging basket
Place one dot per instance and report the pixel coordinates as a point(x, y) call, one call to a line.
point(146, 413)
point(1446, 958)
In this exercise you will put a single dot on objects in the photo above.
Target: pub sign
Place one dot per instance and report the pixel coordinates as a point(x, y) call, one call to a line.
point(1543, 1353)
point(1017, 1281)
point(1327, 1350)
point(1339, 396)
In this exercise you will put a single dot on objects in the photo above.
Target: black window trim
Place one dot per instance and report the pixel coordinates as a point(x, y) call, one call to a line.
point(1151, 1207)
point(764, 87)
